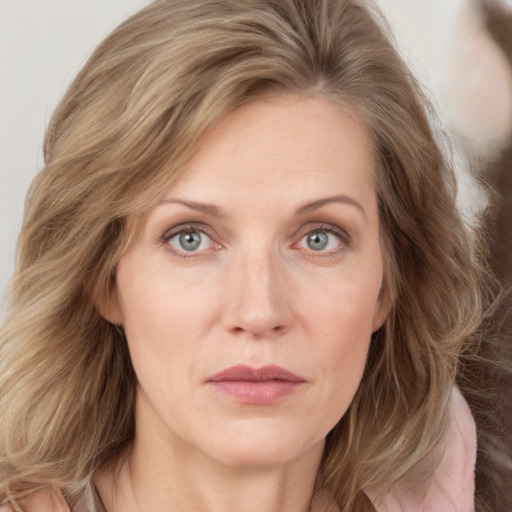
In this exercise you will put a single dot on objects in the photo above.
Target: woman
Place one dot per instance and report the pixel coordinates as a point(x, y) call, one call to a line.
point(242, 282)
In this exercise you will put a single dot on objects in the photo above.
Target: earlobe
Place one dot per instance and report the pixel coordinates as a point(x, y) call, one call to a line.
point(109, 306)
point(381, 311)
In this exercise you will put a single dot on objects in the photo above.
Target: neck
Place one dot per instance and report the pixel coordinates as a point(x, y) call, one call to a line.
point(163, 474)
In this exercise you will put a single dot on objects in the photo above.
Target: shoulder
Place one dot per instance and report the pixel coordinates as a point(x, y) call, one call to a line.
point(453, 481)
point(44, 500)
point(450, 484)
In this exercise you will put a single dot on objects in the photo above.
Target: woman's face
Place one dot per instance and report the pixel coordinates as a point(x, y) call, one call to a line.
point(249, 299)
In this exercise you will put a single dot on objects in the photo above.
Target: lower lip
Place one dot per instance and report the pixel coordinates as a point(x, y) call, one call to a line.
point(256, 393)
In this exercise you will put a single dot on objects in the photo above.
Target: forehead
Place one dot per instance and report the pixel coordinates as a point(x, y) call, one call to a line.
point(284, 143)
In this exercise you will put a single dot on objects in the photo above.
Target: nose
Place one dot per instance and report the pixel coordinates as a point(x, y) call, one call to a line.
point(257, 297)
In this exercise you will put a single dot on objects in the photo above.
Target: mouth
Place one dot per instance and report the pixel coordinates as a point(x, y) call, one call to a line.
point(256, 386)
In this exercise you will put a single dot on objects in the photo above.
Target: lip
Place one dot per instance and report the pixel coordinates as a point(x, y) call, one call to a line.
point(256, 386)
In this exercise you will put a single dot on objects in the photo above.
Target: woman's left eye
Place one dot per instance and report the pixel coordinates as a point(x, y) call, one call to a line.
point(190, 241)
point(321, 240)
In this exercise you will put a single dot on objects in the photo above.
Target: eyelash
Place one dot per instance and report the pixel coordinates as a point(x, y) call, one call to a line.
point(178, 230)
point(345, 240)
point(342, 235)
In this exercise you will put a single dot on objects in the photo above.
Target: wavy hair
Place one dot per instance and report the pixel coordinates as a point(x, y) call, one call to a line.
point(122, 133)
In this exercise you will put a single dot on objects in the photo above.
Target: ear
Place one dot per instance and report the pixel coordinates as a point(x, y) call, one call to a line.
point(382, 308)
point(109, 306)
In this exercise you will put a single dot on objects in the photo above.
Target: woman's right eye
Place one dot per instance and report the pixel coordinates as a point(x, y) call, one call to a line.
point(190, 241)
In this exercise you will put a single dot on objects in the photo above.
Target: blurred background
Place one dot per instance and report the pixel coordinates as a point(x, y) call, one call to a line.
point(460, 49)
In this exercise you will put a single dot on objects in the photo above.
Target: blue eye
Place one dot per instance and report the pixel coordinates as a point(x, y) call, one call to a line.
point(325, 239)
point(190, 240)
point(317, 241)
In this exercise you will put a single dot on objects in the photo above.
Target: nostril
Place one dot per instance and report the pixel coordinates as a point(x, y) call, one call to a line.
point(259, 333)
point(256, 309)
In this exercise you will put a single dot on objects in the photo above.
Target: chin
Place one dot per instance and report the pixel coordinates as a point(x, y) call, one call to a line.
point(261, 447)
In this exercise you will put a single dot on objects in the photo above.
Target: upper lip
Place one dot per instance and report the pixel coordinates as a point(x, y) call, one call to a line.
point(250, 374)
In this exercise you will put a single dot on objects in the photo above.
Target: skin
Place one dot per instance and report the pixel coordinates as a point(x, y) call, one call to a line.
point(254, 292)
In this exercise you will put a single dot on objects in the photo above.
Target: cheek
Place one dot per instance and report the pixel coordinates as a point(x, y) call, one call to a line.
point(342, 312)
point(345, 349)
point(160, 304)
point(162, 334)
point(343, 323)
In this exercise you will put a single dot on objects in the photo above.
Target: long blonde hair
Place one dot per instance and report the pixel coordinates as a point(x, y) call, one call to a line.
point(130, 120)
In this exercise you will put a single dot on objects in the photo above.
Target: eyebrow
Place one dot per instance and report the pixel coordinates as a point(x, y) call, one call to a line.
point(308, 208)
point(206, 208)
point(212, 210)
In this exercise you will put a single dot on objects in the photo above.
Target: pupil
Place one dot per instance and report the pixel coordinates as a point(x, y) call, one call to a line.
point(190, 240)
point(318, 241)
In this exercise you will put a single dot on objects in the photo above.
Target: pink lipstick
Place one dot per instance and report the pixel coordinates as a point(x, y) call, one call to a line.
point(256, 386)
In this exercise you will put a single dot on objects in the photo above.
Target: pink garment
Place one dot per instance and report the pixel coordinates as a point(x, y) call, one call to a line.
point(451, 487)
point(45, 500)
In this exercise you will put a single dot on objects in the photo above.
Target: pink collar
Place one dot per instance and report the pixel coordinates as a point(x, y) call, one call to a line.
point(450, 484)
